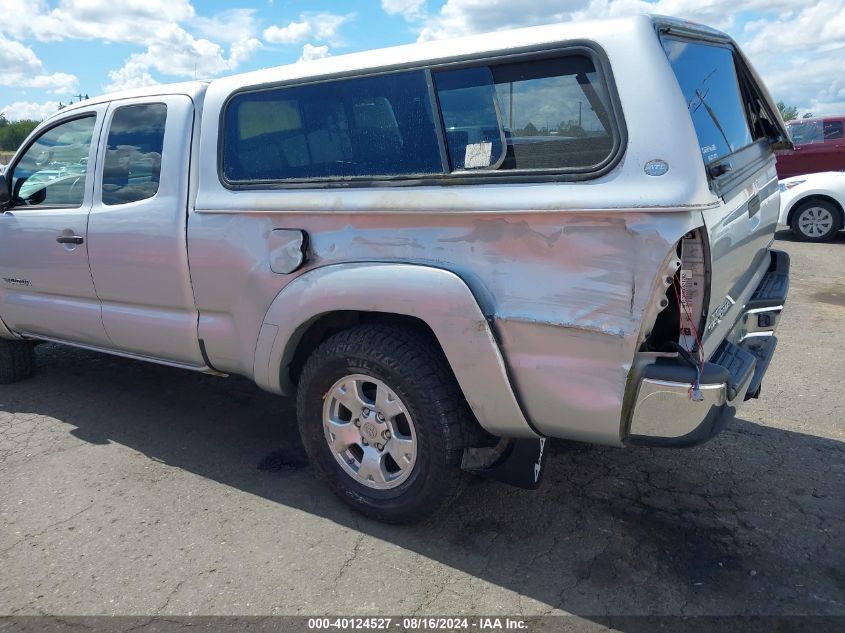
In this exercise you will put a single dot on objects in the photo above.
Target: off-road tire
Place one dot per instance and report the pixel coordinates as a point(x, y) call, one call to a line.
point(17, 359)
point(413, 366)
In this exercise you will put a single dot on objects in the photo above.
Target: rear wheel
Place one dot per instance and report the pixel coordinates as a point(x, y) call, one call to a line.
point(384, 422)
point(816, 221)
point(17, 359)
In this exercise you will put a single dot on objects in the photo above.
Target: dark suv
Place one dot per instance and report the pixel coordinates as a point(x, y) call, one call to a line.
point(819, 146)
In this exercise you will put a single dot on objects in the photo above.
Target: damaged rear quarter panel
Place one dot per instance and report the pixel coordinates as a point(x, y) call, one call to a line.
point(566, 291)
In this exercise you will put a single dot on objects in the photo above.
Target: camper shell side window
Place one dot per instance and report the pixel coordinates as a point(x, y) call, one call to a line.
point(540, 114)
point(524, 116)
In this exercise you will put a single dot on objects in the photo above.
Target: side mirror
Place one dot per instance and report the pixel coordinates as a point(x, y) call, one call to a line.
point(5, 196)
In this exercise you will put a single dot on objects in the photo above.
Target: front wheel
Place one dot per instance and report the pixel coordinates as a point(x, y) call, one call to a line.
point(384, 422)
point(816, 221)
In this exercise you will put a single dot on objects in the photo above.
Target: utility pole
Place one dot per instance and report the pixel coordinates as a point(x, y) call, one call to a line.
point(510, 109)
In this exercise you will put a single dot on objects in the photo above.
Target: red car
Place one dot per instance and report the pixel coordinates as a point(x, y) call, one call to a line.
point(819, 146)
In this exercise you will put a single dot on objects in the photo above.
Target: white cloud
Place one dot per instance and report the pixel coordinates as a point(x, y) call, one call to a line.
point(17, 58)
point(290, 34)
point(29, 110)
point(821, 91)
point(132, 74)
point(720, 14)
point(241, 51)
point(815, 27)
point(232, 25)
point(21, 68)
point(136, 21)
point(311, 26)
point(310, 52)
point(463, 17)
point(154, 24)
point(57, 83)
point(180, 55)
point(408, 9)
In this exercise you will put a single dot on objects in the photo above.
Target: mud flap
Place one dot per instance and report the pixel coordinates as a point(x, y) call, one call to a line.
point(521, 464)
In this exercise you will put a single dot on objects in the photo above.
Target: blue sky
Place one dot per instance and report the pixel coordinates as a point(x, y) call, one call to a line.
point(53, 49)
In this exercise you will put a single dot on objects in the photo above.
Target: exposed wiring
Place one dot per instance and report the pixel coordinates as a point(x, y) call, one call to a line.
point(694, 391)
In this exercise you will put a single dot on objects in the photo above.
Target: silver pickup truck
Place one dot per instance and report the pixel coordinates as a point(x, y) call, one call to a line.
point(448, 251)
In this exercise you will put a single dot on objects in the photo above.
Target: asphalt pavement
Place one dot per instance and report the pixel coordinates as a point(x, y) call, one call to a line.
point(129, 488)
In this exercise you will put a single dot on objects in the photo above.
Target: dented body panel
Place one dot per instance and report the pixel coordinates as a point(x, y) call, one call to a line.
point(564, 293)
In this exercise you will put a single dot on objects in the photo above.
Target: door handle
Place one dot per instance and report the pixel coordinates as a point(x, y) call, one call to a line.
point(70, 239)
point(753, 206)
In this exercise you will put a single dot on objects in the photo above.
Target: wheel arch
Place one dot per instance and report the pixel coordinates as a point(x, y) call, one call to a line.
point(330, 298)
point(313, 332)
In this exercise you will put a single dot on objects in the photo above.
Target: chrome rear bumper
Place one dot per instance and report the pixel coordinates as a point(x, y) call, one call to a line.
point(664, 414)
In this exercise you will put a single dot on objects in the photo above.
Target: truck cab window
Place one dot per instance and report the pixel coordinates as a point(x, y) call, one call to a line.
point(132, 166)
point(53, 170)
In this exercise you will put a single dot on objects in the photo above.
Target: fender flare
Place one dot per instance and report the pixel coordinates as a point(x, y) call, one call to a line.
point(438, 297)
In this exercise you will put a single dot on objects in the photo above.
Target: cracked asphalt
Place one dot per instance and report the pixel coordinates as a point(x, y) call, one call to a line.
point(130, 488)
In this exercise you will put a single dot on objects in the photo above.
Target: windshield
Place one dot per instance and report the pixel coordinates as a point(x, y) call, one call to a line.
point(805, 132)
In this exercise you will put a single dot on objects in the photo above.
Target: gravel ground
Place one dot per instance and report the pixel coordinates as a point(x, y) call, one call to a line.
point(130, 488)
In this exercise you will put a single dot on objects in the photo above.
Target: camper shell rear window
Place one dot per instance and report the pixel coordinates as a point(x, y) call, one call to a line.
point(726, 107)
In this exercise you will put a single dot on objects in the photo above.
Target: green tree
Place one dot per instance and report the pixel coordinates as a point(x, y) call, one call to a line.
point(13, 133)
point(787, 112)
point(790, 113)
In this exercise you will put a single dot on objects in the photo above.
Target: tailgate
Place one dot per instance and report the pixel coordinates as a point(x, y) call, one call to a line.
point(736, 126)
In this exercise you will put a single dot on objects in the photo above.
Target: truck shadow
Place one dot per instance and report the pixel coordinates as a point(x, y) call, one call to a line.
point(751, 523)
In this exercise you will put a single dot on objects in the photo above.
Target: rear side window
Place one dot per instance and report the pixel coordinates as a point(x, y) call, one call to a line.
point(539, 114)
point(707, 76)
point(363, 127)
point(132, 167)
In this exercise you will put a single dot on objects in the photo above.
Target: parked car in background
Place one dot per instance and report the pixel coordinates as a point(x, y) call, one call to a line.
point(812, 205)
point(819, 146)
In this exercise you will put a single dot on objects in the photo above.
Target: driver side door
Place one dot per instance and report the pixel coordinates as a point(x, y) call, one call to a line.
point(46, 288)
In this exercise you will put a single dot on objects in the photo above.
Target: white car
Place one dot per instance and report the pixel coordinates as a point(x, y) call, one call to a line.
point(811, 205)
